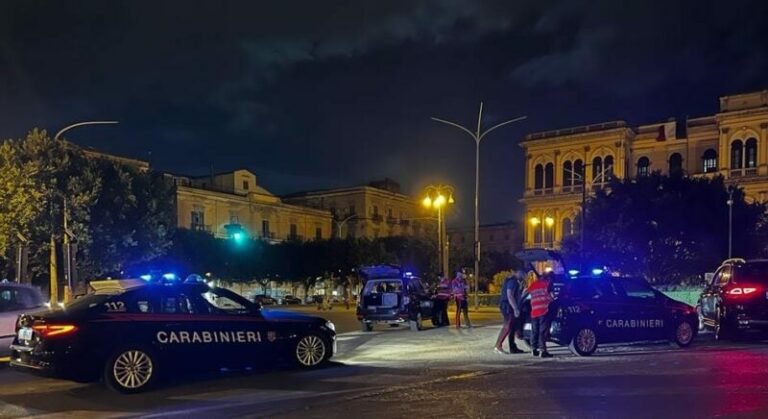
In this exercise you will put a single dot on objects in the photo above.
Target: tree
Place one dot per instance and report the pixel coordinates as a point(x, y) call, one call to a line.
point(667, 229)
point(118, 214)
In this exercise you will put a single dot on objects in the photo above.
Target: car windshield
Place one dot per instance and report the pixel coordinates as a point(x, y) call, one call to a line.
point(382, 286)
point(752, 272)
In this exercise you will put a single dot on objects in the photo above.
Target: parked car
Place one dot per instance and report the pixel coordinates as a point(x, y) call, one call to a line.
point(596, 309)
point(264, 300)
point(390, 297)
point(290, 299)
point(735, 302)
point(15, 299)
point(132, 333)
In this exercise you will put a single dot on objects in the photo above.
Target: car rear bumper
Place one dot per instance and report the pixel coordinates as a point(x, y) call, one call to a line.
point(384, 318)
point(61, 362)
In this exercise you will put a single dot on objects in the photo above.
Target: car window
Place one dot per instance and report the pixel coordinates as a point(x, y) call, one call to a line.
point(383, 286)
point(17, 298)
point(716, 277)
point(725, 276)
point(636, 288)
point(223, 301)
point(751, 272)
point(176, 304)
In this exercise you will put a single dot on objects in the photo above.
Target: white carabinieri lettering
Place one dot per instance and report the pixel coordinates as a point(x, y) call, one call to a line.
point(634, 323)
point(206, 336)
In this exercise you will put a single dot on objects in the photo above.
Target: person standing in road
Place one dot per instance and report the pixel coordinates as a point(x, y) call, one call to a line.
point(442, 299)
point(541, 297)
point(512, 294)
point(459, 290)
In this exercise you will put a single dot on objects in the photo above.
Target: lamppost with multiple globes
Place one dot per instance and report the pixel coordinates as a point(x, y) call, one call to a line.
point(438, 197)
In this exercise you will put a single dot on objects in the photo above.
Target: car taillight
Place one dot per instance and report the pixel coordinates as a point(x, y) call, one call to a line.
point(53, 330)
point(741, 291)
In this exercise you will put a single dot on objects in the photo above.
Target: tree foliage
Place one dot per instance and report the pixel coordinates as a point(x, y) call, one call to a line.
point(668, 229)
point(117, 214)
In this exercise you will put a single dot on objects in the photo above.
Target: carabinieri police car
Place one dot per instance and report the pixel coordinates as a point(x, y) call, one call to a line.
point(131, 332)
point(597, 309)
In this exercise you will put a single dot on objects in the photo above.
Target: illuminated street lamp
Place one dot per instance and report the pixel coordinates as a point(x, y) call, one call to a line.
point(435, 198)
point(478, 135)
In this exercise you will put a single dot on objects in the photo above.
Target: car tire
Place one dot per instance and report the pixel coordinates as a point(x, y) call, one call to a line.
point(416, 325)
point(366, 326)
point(683, 334)
point(584, 342)
point(310, 351)
point(131, 370)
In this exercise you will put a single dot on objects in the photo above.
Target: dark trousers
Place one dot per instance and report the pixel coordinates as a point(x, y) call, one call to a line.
point(540, 332)
point(462, 307)
point(513, 326)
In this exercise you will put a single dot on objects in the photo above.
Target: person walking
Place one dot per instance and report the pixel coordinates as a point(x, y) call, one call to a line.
point(541, 297)
point(442, 299)
point(512, 294)
point(459, 290)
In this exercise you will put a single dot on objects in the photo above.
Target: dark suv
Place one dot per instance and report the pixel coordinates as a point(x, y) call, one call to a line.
point(735, 301)
point(394, 298)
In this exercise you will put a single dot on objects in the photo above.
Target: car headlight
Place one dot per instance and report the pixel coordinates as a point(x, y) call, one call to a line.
point(329, 324)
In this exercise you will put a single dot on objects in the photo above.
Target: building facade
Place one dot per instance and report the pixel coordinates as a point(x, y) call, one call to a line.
point(375, 210)
point(563, 165)
point(232, 203)
point(498, 238)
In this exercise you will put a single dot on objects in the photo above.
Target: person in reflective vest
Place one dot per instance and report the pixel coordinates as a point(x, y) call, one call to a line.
point(541, 296)
point(442, 299)
point(459, 290)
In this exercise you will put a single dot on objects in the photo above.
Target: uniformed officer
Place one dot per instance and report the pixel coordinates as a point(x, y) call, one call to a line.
point(459, 289)
point(442, 299)
point(541, 297)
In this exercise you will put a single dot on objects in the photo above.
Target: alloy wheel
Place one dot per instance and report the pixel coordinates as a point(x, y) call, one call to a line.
point(310, 351)
point(132, 369)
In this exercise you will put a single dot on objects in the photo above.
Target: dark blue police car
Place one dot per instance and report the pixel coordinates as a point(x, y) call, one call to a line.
point(130, 333)
point(598, 309)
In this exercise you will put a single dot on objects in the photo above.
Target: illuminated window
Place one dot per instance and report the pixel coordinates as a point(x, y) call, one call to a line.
point(750, 153)
point(597, 169)
point(643, 167)
point(737, 153)
point(709, 160)
point(608, 168)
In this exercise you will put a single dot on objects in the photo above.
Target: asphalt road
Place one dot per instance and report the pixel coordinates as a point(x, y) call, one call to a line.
point(448, 372)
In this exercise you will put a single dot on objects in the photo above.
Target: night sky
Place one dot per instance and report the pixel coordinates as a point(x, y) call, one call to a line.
point(319, 94)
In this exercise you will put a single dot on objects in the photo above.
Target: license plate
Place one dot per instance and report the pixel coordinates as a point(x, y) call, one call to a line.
point(25, 333)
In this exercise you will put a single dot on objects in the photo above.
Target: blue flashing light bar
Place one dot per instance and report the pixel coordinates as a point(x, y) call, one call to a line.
point(169, 276)
point(146, 277)
point(597, 271)
point(573, 272)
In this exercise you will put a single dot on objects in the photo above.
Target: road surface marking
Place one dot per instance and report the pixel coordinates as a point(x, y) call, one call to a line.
point(5, 359)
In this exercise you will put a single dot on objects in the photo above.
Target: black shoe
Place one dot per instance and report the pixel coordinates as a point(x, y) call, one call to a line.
point(535, 352)
point(516, 350)
point(546, 354)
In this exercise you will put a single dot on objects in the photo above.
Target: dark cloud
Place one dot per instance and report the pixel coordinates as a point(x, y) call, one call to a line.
point(327, 93)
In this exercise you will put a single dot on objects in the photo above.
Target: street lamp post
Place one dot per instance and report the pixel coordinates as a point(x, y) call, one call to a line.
point(69, 262)
point(478, 135)
point(439, 201)
point(340, 223)
point(601, 178)
point(730, 220)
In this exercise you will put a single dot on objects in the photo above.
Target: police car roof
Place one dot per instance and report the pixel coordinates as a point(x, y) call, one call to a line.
point(119, 286)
